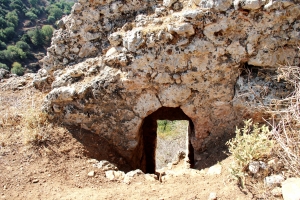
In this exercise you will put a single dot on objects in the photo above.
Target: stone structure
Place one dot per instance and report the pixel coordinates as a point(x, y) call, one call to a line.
point(114, 62)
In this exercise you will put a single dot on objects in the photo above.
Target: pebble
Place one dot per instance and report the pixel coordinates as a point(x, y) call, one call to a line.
point(35, 181)
point(91, 173)
point(212, 196)
point(274, 179)
point(276, 192)
point(215, 170)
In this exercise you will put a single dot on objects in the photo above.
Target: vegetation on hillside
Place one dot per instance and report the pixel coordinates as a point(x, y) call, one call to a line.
point(26, 27)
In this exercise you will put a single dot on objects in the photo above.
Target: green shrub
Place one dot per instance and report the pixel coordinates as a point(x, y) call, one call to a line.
point(23, 45)
point(51, 19)
point(31, 16)
point(33, 2)
point(47, 31)
point(55, 12)
point(13, 18)
point(16, 52)
point(17, 69)
point(3, 23)
point(3, 66)
point(251, 143)
point(9, 33)
point(2, 45)
point(36, 36)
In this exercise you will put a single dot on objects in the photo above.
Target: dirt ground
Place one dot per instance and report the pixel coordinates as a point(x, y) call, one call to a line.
point(56, 165)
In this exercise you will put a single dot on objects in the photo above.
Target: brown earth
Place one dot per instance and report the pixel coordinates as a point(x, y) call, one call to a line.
point(55, 164)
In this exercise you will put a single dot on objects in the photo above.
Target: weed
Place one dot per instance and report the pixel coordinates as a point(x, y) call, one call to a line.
point(251, 143)
point(35, 127)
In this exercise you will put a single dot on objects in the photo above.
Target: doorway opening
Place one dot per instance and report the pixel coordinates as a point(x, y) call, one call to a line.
point(146, 152)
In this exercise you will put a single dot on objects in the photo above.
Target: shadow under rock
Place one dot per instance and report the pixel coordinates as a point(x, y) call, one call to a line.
point(98, 147)
point(214, 153)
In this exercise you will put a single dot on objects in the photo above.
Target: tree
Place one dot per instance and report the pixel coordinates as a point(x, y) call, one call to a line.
point(36, 36)
point(2, 45)
point(3, 66)
point(3, 23)
point(56, 12)
point(23, 45)
point(13, 18)
point(47, 31)
point(31, 16)
point(33, 2)
point(17, 69)
point(51, 19)
point(9, 33)
point(16, 52)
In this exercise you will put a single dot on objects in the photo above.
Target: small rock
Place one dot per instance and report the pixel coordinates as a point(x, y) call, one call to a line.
point(91, 173)
point(291, 189)
point(134, 173)
point(212, 196)
point(274, 179)
point(276, 192)
point(150, 177)
point(263, 165)
point(215, 170)
point(105, 165)
point(114, 175)
point(254, 167)
point(127, 180)
point(168, 3)
point(35, 181)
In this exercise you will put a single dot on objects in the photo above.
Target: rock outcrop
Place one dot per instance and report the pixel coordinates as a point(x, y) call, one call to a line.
point(112, 63)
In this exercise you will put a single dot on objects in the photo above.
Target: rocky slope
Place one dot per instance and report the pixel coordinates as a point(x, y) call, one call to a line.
point(113, 63)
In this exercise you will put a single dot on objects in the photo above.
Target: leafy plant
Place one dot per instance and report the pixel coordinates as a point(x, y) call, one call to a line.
point(17, 69)
point(3, 66)
point(252, 143)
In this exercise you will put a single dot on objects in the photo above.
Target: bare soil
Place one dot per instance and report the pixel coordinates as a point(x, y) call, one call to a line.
point(57, 165)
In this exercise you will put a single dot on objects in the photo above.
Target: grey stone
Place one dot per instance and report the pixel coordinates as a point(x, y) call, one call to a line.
point(273, 180)
point(168, 3)
point(254, 167)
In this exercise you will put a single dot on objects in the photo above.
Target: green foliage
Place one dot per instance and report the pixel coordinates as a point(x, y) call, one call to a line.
point(47, 31)
point(17, 69)
point(12, 17)
point(13, 13)
point(9, 32)
point(3, 23)
point(166, 128)
point(23, 45)
point(251, 143)
point(2, 45)
point(17, 52)
point(36, 36)
point(55, 12)
point(31, 16)
point(51, 19)
point(33, 2)
point(3, 66)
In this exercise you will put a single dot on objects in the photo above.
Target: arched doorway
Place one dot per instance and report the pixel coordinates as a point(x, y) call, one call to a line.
point(145, 154)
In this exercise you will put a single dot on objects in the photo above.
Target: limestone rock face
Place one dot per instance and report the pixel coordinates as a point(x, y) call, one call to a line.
point(113, 63)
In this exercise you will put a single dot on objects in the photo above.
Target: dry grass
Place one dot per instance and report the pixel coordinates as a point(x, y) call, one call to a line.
point(21, 120)
point(285, 128)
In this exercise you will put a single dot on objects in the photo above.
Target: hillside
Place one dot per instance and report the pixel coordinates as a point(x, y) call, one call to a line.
point(26, 28)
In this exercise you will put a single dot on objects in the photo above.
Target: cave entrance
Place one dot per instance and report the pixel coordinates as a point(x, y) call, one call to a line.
point(148, 142)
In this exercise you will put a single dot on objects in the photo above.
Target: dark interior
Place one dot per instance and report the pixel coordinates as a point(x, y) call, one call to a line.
point(145, 154)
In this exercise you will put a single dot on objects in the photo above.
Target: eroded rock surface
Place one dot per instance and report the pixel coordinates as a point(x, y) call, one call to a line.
point(112, 63)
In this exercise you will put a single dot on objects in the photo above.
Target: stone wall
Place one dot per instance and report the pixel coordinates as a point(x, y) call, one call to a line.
point(112, 63)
